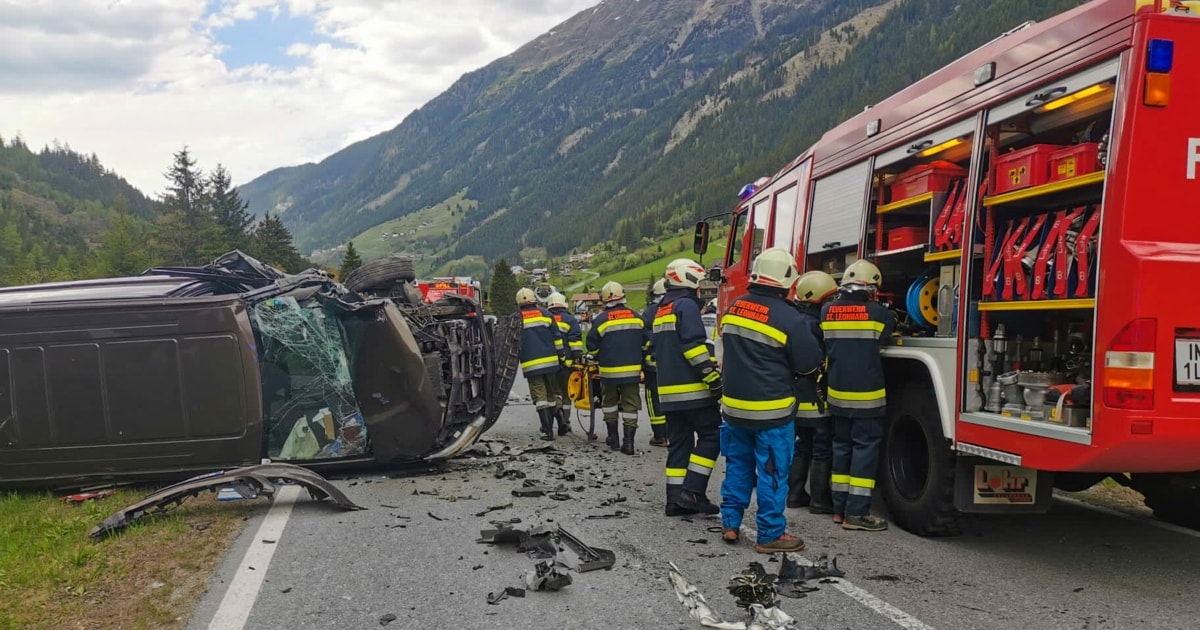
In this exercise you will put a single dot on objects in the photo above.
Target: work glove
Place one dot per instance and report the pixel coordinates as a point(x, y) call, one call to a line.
point(589, 358)
point(712, 378)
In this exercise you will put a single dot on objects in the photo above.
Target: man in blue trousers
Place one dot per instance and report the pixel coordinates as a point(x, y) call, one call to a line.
point(767, 346)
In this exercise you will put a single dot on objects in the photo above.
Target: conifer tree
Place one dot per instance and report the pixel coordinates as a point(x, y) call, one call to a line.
point(272, 244)
point(350, 261)
point(228, 209)
point(502, 291)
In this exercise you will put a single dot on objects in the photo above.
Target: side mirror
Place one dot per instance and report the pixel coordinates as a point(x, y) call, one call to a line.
point(700, 239)
point(714, 274)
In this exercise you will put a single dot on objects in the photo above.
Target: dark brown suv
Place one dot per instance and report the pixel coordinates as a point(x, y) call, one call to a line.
point(187, 370)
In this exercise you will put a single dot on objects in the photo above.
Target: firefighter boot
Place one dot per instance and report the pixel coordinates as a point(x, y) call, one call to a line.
point(822, 495)
point(673, 507)
point(796, 496)
point(564, 424)
point(696, 502)
point(614, 437)
point(627, 446)
point(546, 416)
point(658, 435)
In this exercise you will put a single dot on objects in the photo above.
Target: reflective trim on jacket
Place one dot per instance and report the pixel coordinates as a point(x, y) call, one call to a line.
point(540, 342)
point(616, 340)
point(678, 333)
point(855, 328)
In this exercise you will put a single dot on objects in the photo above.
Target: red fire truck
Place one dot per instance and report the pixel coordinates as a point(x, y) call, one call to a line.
point(434, 288)
point(1027, 205)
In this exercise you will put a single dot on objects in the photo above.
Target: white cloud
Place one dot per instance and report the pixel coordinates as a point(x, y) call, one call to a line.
point(135, 80)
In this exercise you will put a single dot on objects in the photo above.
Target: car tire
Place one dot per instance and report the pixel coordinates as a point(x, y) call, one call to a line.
point(918, 465)
point(381, 274)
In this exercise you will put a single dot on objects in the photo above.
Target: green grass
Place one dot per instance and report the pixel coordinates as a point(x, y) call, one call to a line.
point(52, 575)
point(439, 223)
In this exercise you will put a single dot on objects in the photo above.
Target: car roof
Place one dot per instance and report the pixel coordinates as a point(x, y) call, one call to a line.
point(129, 288)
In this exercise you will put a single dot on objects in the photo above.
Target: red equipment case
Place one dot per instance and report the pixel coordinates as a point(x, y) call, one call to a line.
point(924, 178)
point(1080, 159)
point(1024, 168)
point(907, 237)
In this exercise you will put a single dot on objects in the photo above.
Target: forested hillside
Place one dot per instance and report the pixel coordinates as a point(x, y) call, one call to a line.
point(634, 118)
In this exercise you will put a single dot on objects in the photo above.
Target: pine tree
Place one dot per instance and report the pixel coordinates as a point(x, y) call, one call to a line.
point(272, 243)
point(121, 251)
point(350, 261)
point(502, 292)
point(186, 191)
point(185, 234)
point(650, 287)
point(228, 209)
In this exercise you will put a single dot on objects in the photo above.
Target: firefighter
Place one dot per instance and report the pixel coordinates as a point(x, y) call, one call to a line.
point(767, 345)
point(658, 421)
point(568, 327)
point(855, 328)
point(540, 357)
point(615, 340)
point(689, 390)
point(814, 432)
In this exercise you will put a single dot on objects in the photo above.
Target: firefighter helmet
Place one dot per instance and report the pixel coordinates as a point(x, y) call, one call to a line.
point(684, 273)
point(612, 293)
point(862, 272)
point(775, 268)
point(659, 288)
point(526, 297)
point(557, 300)
point(815, 286)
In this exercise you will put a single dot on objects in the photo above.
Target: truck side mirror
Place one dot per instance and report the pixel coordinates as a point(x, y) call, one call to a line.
point(714, 274)
point(700, 238)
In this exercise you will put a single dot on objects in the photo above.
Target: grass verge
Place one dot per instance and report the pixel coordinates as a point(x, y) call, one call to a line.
point(52, 575)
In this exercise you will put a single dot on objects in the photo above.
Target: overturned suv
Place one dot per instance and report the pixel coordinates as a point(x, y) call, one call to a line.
point(186, 370)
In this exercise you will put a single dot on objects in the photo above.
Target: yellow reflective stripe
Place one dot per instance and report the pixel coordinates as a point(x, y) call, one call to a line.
point(759, 405)
point(859, 482)
point(703, 461)
point(695, 352)
point(564, 326)
point(676, 472)
point(807, 406)
point(537, 320)
point(666, 390)
point(758, 327)
point(558, 343)
point(875, 395)
point(621, 324)
point(665, 319)
point(859, 325)
point(836, 478)
point(636, 369)
point(536, 362)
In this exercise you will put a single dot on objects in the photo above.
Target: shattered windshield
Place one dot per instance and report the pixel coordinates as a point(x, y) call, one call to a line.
point(308, 397)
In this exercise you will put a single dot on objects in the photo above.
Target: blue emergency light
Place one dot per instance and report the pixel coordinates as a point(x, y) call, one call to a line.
point(1161, 53)
point(747, 191)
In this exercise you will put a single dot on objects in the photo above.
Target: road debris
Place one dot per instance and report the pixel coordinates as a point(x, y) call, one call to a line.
point(88, 496)
point(699, 541)
point(249, 482)
point(761, 618)
point(617, 514)
point(547, 576)
point(494, 508)
point(612, 501)
point(435, 516)
point(503, 472)
point(509, 591)
point(386, 619)
point(589, 558)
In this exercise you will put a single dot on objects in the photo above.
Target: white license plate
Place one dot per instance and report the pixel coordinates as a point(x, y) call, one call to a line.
point(1187, 362)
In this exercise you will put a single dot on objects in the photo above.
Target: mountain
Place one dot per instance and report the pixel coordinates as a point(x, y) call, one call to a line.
point(56, 205)
point(629, 120)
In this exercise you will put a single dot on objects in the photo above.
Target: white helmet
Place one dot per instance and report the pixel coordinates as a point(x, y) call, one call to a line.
point(526, 297)
point(862, 272)
point(557, 300)
point(774, 268)
point(612, 293)
point(814, 286)
point(659, 288)
point(684, 273)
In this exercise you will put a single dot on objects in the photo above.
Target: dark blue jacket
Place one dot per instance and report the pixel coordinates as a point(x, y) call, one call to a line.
point(569, 328)
point(616, 340)
point(767, 345)
point(540, 342)
point(648, 365)
point(810, 392)
point(681, 354)
point(855, 328)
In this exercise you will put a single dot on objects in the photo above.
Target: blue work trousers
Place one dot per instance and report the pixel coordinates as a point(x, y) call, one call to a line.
point(856, 443)
point(816, 442)
point(758, 459)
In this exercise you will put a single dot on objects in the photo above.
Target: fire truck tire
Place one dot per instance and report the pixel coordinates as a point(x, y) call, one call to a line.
point(1174, 498)
point(918, 465)
point(381, 274)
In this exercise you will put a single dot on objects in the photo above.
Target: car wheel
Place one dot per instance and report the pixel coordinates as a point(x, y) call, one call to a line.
point(918, 465)
point(381, 274)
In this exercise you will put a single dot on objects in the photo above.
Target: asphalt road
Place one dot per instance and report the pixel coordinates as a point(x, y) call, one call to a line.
point(1072, 568)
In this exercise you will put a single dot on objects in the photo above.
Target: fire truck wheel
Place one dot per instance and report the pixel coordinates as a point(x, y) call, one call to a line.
point(380, 274)
point(1174, 498)
point(918, 465)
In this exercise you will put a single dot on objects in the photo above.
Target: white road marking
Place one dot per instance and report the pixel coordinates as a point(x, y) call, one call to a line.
point(1144, 520)
point(880, 607)
point(243, 589)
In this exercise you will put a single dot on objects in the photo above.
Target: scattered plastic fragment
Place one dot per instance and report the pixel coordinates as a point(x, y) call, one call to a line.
point(435, 516)
point(699, 541)
point(494, 508)
point(88, 496)
point(509, 591)
point(547, 576)
point(386, 619)
point(612, 501)
point(617, 514)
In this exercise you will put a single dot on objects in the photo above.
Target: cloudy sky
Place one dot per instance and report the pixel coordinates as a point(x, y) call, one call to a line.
point(253, 84)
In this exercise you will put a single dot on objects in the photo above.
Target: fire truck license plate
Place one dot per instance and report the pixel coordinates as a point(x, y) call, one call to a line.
point(1187, 362)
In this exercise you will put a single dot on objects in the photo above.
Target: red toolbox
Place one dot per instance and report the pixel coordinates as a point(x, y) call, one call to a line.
point(1024, 168)
point(898, 238)
point(924, 178)
point(1080, 159)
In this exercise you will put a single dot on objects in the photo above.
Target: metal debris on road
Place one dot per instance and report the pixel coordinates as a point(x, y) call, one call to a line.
point(494, 508)
point(753, 586)
point(699, 541)
point(617, 514)
point(612, 501)
point(762, 618)
point(590, 558)
point(386, 619)
point(547, 576)
point(435, 516)
point(503, 472)
point(509, 591)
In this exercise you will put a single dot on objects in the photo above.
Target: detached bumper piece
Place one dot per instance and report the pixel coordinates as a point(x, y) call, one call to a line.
point(250, 482)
